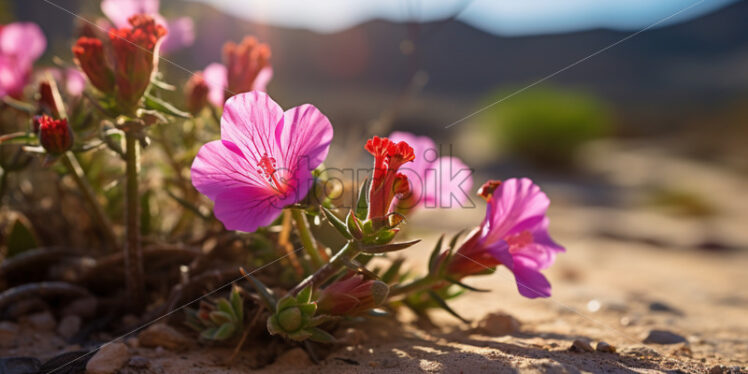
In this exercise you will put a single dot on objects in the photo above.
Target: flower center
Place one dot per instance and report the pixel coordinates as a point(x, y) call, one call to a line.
point(267, 168)
point(519, 240)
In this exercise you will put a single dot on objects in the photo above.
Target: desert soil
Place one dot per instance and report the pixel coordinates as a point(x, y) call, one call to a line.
point(629, 269)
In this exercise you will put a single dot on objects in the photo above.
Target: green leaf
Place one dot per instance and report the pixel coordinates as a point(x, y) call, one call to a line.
point(286, 302)
point(209, 333)
point(337, 223)
point(321, 336)
point(18, 138)
point(237, 303)
point(21, 237)
point(443, 304)
point(159, 105)
point(434, 258)
point(224, 306)
point(224, 332)
point(158, 116)
point(162, 85)
point(308, 309)
point(453, 242)
point(265, 293)
point(219, 317)
point(362, 204)
point(391, 274)
point(304, 296)
point(465, 286)
point(19, 105)
point(388, 247)
point(358, 268)
point(114, 138)
point(353, 225)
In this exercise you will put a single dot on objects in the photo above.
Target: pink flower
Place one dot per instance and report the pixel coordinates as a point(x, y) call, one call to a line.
point(435, 181)
point(21, 43)
point(351, 295)
point(75, 82)
point(514, 233)
point(249, 69)
point(181, 31)
point(263, 161)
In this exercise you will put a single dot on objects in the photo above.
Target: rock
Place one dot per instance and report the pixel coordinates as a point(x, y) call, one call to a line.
point(581, 345)
point(295, 357)
point(23, 308)
point(139, 362)
point(657, 306)
point(42, 321)
point(69, 326)
point(84, 307)
point(718, 369)
point(663, 337)
point(351, 336)
point(498, 324)
point(8, 334)
point(19, 365)
point(640, 351)
point(161, 335)
point(605, 347)
point(108, 359)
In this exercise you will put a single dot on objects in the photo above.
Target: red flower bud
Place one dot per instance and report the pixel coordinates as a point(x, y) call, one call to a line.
point(352, 295)
point(196, 90)
point(54, 134)
point(135, 57)
point(47, 100)
point(244, 62)
point(89, 55)
point(386, 181)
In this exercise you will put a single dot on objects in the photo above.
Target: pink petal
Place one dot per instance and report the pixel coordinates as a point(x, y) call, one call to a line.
point(220, 165)
point(530, 282)
point(305, 137)
point(13, 76)
point(118, 11)
point(263, 78)
point(251, 121)
point(216, 77)
point(247, 208)
point(513, 202)
point(449, 183)
point(23, 40)
point(75, 82)
point(181, 33)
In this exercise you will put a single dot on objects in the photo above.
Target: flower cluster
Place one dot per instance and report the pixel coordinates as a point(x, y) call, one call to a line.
point(264, 174)
point(135, 55)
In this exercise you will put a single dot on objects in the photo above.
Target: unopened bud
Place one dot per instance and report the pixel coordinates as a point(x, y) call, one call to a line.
point(54, 134)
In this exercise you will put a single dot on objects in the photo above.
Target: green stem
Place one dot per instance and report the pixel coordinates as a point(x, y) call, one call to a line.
point(134, 278)
point(76, 171)
point(348, 252)
point(306, 237)
point(413, 286)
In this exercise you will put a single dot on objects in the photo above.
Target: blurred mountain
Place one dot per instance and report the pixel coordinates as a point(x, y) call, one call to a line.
point(661, 77)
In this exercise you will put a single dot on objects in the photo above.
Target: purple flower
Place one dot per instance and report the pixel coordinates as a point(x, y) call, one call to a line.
point(181, 31)
point(514, 233)
point(434, 181)
point(263, 161)
point(21, 43)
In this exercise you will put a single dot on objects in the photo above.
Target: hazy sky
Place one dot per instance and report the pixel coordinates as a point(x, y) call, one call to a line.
point(506, 17)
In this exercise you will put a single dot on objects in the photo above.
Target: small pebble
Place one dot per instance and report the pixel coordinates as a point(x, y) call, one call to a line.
point(581, 345)
point(69, 326)
point(663, 337)
point(498, 324)
point(593, 305)
point(42, 321)
point(108, 359)
point(8, 333)
point(162, 335)
point(605, 347)
point(658, 306)
point(139, 362)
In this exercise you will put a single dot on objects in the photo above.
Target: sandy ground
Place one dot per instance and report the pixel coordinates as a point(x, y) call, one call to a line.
point(623, 265)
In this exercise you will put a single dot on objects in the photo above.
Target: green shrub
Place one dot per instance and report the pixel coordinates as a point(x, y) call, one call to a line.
point(546, 126)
